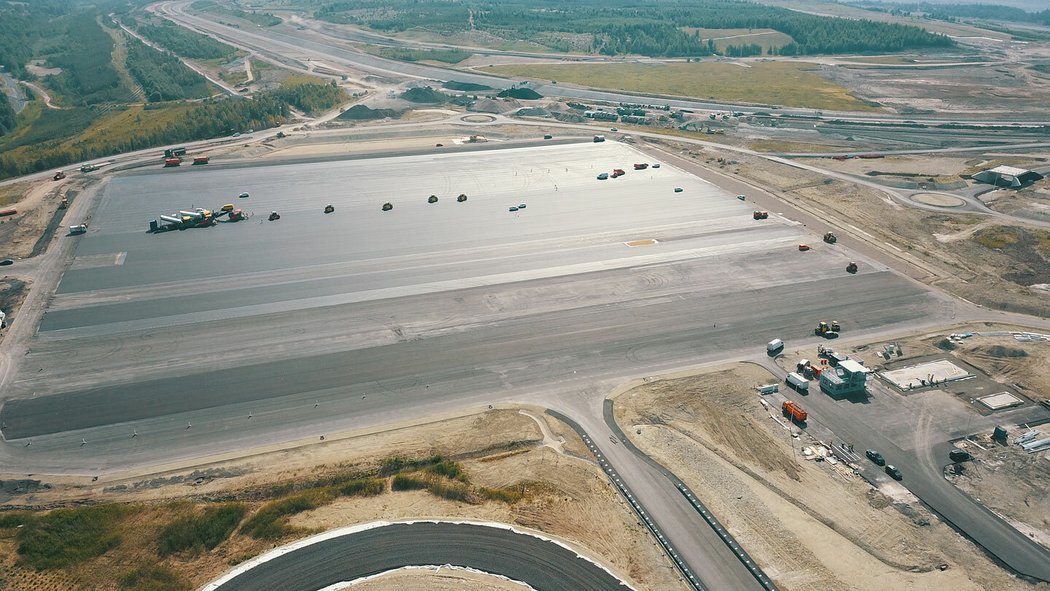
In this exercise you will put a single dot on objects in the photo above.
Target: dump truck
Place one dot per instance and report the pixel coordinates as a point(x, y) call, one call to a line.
point(618, 172)
point(197, 160)
point(760, 215)
point(641, 166)
point(830, 238)
point(803, 247)
point(794, 411)
point(169, 162)
point(59, 175)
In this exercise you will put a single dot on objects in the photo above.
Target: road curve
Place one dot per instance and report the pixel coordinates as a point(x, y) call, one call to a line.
point(353, 553)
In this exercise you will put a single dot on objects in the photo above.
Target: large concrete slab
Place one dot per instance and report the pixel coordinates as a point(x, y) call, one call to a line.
point(425, 305)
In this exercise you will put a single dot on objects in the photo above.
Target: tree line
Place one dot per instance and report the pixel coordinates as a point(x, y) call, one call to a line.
point(208, 119)
point(184, 42)
point(654, 29)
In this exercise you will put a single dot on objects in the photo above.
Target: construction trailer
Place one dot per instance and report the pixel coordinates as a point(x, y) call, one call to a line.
point(846, 378)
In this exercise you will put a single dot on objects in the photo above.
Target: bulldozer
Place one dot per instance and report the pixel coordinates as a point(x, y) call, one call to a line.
point(821, 329)
point(826, 330)
point(830, 238)
point(329, 208)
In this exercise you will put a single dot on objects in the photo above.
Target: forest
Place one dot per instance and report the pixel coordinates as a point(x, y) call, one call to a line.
point(619, 27)
point(954, 12)
point(162, 76)
point(182, 41)
point(59, 140)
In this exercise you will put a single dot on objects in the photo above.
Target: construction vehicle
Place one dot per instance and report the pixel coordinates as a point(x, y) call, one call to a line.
point(432, 199)
point(64, 203)
point(89, 168)
point(197, 160)
point(462, 197)
point(794, 411)
point(835, 326)
point(388, 206)
point(599, 139)
point(821, 328)
point(798, 382)
point(851, 267)
point(830, 238)
point(59, 176)
point(174, 152)
point(169, 162)
point(329, 208)
point(77, 229)
point(618, 172)
point(803, 247)
point(641, 166)
point(828, 331)
point(741, 197)
point(274, 216)
point(774, 346)
point(760, 215)
point(226, 208)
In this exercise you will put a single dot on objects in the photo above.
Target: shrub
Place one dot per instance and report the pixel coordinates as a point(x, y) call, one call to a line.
point(409, 482)
point(271, 521)
point(448, 469)
point(363, 487)
point(65, 537)
point(453, 491)
point(153, 577)
point(199, 533)
point(504, 495)
point(15, 519)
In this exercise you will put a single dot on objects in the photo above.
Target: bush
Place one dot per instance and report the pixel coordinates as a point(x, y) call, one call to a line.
point(152, 577)
point(271, 522)
point(363, 487)
point(199, 533)
point(66, 537)
point(504, 495)
point(15, 519)
point(409, 482)
point(395, 464)
point(448, 469)
point(453, 491)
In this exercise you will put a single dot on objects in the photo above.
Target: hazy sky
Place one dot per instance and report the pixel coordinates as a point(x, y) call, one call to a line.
point(1031, 5)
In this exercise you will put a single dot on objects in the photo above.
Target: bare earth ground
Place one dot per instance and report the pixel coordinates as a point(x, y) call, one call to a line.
point(810, 525)
point(567, 497)
point(942, 243)
point(36, 204)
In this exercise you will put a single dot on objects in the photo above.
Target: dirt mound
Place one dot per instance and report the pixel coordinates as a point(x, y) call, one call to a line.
point(1003, 351)
point(526, 94)
point(363, 113)
point(424, 94)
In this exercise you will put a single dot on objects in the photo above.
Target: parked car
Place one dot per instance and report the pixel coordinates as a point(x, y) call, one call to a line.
point(656, 165)
point(894, 472)
point(875, 457)
point(6, 262)
point(243, 195)
point(677, 189)
point(603, 176)
point(513, 208)
point(956, 455)
point(521, 206)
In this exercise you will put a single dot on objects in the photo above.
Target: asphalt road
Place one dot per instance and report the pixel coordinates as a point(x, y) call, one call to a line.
point(541, 564)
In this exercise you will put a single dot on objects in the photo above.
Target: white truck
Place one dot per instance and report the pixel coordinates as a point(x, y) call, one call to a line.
point(78, 229)
point(798, 382)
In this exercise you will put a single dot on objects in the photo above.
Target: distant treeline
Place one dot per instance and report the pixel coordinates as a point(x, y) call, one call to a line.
point(618, 27)
point(952, 12)
point(52, 146)
point(184, 42)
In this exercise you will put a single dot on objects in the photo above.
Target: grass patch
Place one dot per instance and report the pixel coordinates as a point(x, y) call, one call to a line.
point(197, 533)
point(448, 469)
point(395, 464)
point(777, 83)
point(997, 237)
point(447, 56)
point(784, 146)
point(65, 537)
point(503, 495)
point(451, 490)
point(409, 482)
point(363, 487)
point(271, 522)
point(153, 577)
point(16, 518)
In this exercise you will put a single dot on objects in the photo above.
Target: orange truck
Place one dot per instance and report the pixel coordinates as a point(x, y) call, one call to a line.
point(794, 411)
point(168, 162)
point(618, 172)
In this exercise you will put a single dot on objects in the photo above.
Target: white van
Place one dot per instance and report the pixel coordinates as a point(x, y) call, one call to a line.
point(774, 345)
point(798, 382)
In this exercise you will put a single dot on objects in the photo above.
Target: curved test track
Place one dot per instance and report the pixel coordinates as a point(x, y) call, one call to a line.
point(332, 559)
